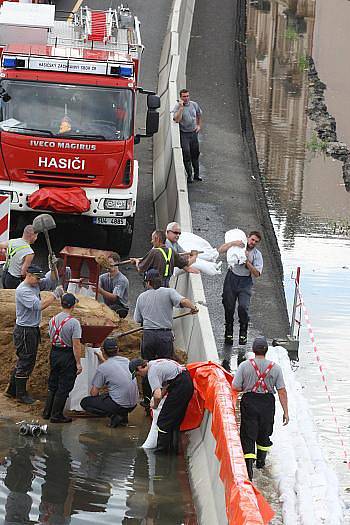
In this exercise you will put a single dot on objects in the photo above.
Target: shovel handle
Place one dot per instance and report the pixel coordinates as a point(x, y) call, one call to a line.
point(54, 267)
point(134, 330)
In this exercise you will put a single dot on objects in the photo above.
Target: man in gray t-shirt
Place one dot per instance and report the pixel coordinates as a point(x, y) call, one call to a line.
point(173, 381)
point(64, 276)
point(123, 393)
point(238, 286)
point(188, 115)
point(114, 287)
point(65, 334)
point(259, 378)
point(154, 310)
point(26, 334)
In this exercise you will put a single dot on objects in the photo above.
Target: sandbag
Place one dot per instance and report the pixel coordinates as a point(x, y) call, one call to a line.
point(189, 241)
point(236, 255)
point(83, 381)
point(151, 440)
point(207, 267)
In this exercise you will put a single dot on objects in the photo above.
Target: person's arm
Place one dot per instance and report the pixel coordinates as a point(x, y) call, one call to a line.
point(107, 295)
point(94, 391)
point(137, 313)
point(56, 294)
point(282, 394)
point(147, 262)
point(199, 122)
point(157, 397)
point(77, 355)
point(255, 270)
point(178, 113)
point(186, 303)
point(237, 383)
point(27, 261)
point(227, 245)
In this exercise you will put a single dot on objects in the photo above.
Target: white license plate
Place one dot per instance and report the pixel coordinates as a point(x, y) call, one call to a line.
point(110, 221)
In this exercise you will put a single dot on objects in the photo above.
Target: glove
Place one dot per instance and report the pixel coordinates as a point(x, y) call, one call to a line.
point(58, 292)
point(52, 260)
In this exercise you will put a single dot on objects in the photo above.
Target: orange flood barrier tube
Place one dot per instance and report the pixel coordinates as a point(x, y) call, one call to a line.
point(244, 503)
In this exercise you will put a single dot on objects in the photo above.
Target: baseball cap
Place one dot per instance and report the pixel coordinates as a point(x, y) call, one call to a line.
point(152, 274)
point(35, 270)
point(68, 300)
point(135, 363)
point(110, 344)
point(260, 343)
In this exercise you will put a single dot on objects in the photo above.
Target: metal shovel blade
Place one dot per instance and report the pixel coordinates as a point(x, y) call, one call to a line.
point(43, 222)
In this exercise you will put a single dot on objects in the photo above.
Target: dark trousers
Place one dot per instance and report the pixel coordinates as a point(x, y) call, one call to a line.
point(63, 371)
point(9, 281)
point(26, 340)
point(257, 418)
point(103, 405)
point(156, 344)
point(237, 288)
point(190, 152)
point(180, 392)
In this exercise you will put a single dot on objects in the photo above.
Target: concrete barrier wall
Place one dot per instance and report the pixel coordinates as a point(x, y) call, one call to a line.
point(171, 203)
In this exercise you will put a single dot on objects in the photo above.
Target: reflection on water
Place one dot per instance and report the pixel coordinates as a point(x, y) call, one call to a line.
point(90, 474)
point(309, 206)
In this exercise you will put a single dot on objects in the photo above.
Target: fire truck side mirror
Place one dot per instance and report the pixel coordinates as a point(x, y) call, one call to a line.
point(153, 102)
point(152, 122)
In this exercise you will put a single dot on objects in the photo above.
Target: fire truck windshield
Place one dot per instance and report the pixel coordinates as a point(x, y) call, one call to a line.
point(61, 110)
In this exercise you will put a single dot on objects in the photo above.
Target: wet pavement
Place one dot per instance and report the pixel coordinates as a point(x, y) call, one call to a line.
point(308, 203)
point(86, 472)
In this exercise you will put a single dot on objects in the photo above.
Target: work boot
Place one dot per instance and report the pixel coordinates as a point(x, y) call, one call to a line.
point(249, 464)
point(11, 386)
point(243, 334)
point(229, 334)
point(261, 458)
point(57, 415)
point(48, 405)
point(22, 395)
point(163, 443)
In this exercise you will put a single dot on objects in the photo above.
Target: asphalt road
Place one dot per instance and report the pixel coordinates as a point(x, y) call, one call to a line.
point(228, 197)
point(153, 27)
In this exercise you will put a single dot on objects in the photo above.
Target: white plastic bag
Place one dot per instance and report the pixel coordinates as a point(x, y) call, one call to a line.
point(190, 241)
point(236, 255)
point(83, 381)
point(151, 441)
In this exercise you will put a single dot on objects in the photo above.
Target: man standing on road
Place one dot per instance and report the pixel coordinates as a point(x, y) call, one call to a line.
point(161, 258)
point(259, 378)
point(19, 256)
point(123, 393)
point(26, 334)
point(170, 379)
point(188, 115)
point(238, 285)
point(65, 364)
point(154, 310)
point(114, 287)
point(173, 232)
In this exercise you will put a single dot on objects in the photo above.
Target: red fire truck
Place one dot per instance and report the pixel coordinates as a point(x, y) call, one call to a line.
point(67, 123)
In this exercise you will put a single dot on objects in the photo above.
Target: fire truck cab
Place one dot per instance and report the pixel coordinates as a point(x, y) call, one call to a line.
point(67, 117)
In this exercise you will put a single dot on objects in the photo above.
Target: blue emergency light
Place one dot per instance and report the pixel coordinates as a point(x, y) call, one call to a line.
point(125, 71)
point(9, 62)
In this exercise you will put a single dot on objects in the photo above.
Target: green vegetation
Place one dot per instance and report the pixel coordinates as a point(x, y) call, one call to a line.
point(303, 63)
point(291, 34)
point(315, 144)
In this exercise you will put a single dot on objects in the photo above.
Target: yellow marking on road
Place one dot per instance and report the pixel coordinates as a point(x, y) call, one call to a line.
point(75, 9)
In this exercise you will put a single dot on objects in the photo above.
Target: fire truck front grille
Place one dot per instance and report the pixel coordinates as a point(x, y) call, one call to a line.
point(66, 179)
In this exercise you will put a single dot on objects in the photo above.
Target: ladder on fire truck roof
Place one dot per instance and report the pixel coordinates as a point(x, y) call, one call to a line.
point(112, 30)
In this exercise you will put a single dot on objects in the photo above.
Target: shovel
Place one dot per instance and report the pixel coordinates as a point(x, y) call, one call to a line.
point(134, 330)
point(42, 224)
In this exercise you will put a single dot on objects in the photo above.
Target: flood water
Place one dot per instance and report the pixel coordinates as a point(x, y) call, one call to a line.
point(308, 203)
point(85, 472)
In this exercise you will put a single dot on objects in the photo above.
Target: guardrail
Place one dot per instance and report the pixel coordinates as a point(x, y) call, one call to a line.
point(194, 332)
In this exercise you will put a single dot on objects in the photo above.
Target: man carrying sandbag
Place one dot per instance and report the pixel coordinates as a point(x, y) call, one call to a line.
point(123, 394)
point(170, 379)
point(65, 364)
point(238, 286)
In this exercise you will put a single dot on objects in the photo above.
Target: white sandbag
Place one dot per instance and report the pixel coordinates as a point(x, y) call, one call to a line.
point(83, 381)
point(236, 255)
point(189, 241)
point(77, 289)
point(151, 441)
point(209, 268)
